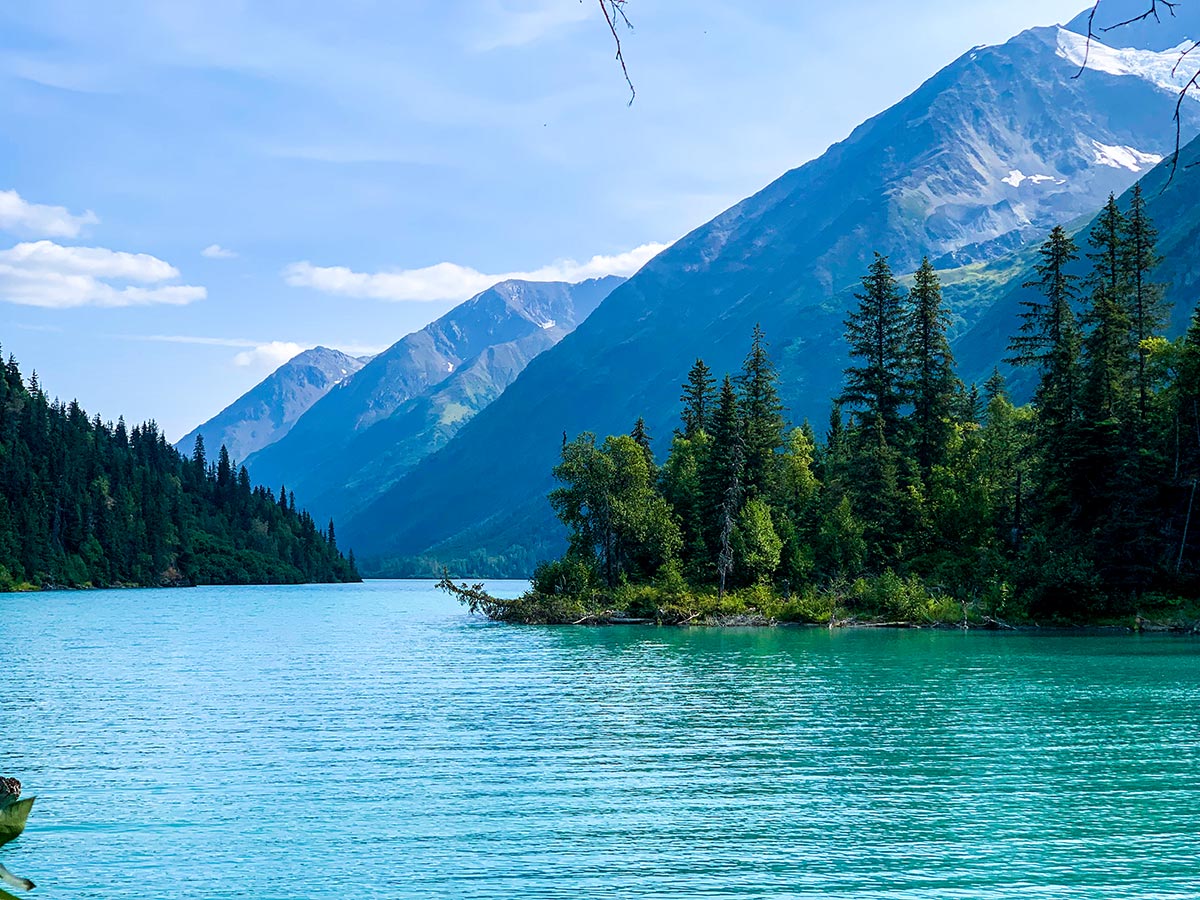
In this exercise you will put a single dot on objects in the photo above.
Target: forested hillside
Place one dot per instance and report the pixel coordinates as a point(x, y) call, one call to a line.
point(89, 504)
point(925, 499)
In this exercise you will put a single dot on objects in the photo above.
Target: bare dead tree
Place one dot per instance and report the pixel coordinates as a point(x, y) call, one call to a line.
point(1155, 10)
point(614, 16)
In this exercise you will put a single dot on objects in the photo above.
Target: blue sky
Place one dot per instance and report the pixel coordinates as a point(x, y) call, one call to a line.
point(250, 178)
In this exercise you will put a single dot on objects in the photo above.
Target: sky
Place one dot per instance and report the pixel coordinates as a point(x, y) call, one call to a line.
point(191, 192)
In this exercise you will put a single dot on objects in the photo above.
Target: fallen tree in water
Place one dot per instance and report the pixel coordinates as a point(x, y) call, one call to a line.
point(884, 601)
point(531, 608)
point(887, 600)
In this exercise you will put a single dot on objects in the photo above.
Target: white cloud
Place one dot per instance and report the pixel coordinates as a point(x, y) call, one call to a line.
point(450, 281)
point(255, 351)
point(35, 219)
point(271, 355)
point(515, 23)
point(46, 274)
point(98, 262)
point(216, 251)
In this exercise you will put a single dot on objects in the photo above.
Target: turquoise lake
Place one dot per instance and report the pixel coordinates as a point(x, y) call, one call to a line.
point(374, 741)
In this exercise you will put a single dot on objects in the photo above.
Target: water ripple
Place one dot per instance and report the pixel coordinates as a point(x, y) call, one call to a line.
point(374, 740)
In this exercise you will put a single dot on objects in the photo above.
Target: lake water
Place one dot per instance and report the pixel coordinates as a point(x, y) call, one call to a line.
point(373, 741)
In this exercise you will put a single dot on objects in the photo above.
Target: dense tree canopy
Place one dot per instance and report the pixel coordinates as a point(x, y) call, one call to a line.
point(1080, 506)
point(85, 503)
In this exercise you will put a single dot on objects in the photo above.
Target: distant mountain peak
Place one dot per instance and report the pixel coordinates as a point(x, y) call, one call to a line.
point(412, 397)
point(267, 412)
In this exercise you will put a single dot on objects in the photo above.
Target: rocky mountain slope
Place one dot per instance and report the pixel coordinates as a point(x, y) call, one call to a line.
point(267, 412)
point(412, 398)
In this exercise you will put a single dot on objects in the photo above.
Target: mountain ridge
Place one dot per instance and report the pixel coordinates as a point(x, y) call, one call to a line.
point(414, 396)
point(269, 410)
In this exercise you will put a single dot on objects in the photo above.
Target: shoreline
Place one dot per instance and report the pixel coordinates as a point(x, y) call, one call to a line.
point(1142, 627)
point(645, 605)
point(65, 588)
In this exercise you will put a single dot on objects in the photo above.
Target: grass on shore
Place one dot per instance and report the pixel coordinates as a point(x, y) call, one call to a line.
point(886, 599)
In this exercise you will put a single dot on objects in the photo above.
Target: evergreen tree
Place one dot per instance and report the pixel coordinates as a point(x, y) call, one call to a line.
point(723, 478)
point(1108, 351)
point(1106, 358)
point(762, 415)
point(698, 394)
point(994, 387)
point(875, 383)
point(1147, 309)
point(1048, 340)
point(641, 437)
point(934, 386)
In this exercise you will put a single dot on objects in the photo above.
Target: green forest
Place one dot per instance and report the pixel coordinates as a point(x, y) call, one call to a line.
point(925, 500)
point(89, 504)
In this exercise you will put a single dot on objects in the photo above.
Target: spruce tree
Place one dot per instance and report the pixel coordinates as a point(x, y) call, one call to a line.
point(1048, 339)
point(933, 384)
point(875, 383)
point(198, 454)
point(724, 471)
point(995, 387)
point(1148, 311)
point(641, 437)
point(1109, 352)
point(697, 398)
point(762, 415)
point(1106, 358)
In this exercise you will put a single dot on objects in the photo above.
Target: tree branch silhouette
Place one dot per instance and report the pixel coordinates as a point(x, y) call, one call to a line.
point(1155, 11)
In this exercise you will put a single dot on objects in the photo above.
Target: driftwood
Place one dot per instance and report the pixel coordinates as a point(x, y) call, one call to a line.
point(606, 616)
point(13, 813)
point(21, 884)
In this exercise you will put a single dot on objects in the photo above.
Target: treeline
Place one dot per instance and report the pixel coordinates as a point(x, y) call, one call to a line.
point(84, 503)
point(1078, 506)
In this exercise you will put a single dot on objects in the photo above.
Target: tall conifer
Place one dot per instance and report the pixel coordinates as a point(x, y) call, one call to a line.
point(699, 392)
point(762, 414)
point(875, 330)
point(1148, 311)
point(933, 383)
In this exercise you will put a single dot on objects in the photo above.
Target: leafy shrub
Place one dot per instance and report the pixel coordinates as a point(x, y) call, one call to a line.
point(570, 576)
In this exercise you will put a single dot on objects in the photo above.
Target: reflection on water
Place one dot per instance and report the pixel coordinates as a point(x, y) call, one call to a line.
point(373, 740)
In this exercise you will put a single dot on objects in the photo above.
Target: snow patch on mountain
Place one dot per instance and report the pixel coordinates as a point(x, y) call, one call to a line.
point(1016, 178)
point(1168, 69)
point(1124, 157)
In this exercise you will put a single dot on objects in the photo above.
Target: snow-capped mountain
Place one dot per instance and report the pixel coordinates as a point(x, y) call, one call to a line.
point(983, 158)
point(1165, 28)
point(267, 412)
